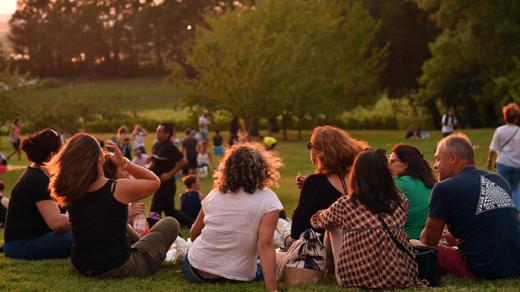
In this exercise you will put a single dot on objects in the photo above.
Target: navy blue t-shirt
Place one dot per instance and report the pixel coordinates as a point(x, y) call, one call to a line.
point(479, 211)
point(190, 204)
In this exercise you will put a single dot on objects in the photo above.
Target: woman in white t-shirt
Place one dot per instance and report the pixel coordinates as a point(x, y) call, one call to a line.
point(138, 135)
point(506, 143)
point(237, 221)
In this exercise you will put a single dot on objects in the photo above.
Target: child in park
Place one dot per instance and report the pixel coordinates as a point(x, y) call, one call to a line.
point(191, 198)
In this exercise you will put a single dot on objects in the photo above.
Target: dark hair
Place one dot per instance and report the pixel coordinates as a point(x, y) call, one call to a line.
point(122, 129)
point(40, 145)
point(418, 167)
point(189, 180)
point(109, 168)
point(2, 186)
point(248, 166)
point(371, 183)
point(168, 128)
point(511, 112)
point(74, 169)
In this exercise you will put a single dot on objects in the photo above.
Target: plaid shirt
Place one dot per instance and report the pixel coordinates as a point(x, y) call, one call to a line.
point(368, 257)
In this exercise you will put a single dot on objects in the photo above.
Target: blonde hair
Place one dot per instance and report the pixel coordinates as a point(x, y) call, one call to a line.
point(335, 149)
point(248, 166)
point(74, 168)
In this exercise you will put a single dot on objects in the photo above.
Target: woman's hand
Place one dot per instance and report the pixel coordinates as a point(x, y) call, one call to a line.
point(299, 180)
point(117, 157)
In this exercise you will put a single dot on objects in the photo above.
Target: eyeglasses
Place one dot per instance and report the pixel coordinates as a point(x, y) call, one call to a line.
point(309, 145)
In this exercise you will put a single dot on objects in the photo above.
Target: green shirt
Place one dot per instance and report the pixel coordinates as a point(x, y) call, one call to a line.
point(418, 196)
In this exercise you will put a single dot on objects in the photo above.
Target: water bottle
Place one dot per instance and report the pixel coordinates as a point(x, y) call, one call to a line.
point(140, 224)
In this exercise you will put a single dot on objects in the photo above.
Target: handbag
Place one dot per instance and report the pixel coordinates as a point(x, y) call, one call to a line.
point(305, 261)
point(424, 256)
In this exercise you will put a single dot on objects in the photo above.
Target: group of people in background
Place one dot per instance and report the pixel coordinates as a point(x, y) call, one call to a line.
point(70, 202)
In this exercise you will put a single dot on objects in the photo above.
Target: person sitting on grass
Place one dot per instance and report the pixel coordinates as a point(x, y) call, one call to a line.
point(414, 177)
point(191, 198)
point(35, 227)
point(4, 203)
point(237, 221)
point(478, 210)
point(368, 257)
point(140, 158)
point(98, 211)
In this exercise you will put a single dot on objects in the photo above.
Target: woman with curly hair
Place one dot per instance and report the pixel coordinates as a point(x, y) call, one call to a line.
point(333, 151)
point(237, 221)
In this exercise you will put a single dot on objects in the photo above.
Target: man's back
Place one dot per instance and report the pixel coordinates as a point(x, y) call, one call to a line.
point(479, 211)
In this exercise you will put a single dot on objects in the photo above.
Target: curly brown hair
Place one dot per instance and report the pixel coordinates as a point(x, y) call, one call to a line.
point(248, 166)
point(335, 149)
point(511, 112)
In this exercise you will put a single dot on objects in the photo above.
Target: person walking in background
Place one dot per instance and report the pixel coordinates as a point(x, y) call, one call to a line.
point(218, 145)
point(35, 227)
point(204, 159)
point(237, 221)
point(14, 138)
point(203, 125)
point(414, 177)
point(332, 151)
point(138, 134)
point(368, 257)
point(483, 230)
point(167, 160)
point(98, 208)
point(191, 198)
point(505, 146)
point(189, 147)
point(449, 122)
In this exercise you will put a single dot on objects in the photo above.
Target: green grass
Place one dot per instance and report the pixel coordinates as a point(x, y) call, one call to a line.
point(55, 274)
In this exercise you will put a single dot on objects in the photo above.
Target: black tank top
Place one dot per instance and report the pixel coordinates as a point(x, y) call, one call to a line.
point(98, 223)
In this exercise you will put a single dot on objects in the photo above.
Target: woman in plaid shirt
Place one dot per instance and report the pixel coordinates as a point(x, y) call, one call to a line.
point(368, 257)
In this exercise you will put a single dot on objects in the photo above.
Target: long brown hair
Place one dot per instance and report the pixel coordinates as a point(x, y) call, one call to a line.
point(74, 168)
point(335, 149)
point(418, 167)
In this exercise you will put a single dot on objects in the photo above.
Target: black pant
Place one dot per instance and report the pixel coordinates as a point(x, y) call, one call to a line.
point(163, 202)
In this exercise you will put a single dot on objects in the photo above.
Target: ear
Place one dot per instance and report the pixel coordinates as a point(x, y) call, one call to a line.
point(452, 158)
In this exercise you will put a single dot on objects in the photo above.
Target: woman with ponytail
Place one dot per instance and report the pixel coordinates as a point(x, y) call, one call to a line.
point(35, 226)
point(414, 177)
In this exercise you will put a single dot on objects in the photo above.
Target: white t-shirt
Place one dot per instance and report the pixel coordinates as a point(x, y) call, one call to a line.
point(202, 159)
point(203, 124)
point(450, 123)
point(139, 140)
point(509, 155)
point(141, 161)
point(227, 245)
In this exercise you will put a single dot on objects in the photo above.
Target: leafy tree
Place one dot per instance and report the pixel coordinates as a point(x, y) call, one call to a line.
point(283, 58)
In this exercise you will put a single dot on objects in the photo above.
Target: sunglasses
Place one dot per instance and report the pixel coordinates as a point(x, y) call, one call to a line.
point(309, 145)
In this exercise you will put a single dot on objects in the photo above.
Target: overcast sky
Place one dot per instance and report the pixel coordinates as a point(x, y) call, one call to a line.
point(7, 6)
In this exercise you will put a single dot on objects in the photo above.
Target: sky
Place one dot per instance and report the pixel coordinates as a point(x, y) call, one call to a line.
point(7, 6)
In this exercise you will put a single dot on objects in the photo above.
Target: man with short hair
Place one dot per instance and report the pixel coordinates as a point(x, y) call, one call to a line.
point(477, 208)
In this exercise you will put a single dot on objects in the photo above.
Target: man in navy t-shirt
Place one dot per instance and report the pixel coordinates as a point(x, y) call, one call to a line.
point(480, 215)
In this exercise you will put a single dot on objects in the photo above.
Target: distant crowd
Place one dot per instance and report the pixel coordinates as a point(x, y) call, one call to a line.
point(361, 212)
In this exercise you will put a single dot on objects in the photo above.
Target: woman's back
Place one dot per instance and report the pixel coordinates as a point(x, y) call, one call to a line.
point(227, 246)
point(99, 230)
point(418, 196)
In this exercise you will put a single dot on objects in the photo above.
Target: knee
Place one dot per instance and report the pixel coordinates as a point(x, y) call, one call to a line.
point(168, 226)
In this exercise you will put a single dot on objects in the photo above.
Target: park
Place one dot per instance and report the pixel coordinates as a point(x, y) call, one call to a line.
point(386, 72)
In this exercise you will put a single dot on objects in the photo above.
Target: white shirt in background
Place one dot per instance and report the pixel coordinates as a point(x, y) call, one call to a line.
point(509, 155)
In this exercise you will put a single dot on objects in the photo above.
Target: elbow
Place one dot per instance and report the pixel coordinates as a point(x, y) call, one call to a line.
point(266, 245)
point(59, 225)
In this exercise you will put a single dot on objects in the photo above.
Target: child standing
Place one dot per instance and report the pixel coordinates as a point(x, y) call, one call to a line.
point(190, 200)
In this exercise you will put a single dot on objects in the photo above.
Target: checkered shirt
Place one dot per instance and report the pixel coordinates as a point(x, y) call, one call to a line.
point(368, 257)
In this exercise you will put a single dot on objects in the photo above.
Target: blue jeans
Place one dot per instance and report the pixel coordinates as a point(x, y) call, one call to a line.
point(512, 176)
point(193, 277)
point(48, 246)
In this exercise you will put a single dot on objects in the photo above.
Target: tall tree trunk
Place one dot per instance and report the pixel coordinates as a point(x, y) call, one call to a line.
point(252, 127)
point(436, 116)
point(285, 125)
point(300, 126)
point(273, 125)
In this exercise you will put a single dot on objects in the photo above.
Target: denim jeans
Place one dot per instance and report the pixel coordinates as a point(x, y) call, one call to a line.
point(512, 176)
point(193, 277)
point(48, 246)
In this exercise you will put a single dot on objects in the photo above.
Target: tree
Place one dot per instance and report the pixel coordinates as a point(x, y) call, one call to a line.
point(283, 58)
point(472, 57)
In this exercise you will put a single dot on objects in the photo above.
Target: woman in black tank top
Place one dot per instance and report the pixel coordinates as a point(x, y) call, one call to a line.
point(98, 211)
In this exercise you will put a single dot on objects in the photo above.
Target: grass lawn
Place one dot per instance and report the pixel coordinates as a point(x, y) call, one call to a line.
point(55, 274)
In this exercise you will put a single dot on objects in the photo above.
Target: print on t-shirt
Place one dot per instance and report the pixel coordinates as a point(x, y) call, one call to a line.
point(492, 197)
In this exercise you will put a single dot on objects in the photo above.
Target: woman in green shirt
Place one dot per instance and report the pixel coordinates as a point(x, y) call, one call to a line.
point(414, 177)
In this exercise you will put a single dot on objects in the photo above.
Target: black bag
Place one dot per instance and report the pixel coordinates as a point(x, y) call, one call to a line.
point(425, 256)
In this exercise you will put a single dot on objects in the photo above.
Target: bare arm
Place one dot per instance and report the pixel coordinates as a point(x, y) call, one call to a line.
point(197, 226)
point(51, 214)
point(131, 190)
point(266, 249)
point(490, 159)
point(432, 231)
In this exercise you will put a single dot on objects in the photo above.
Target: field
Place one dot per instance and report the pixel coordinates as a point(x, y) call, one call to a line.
point(55, 274)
